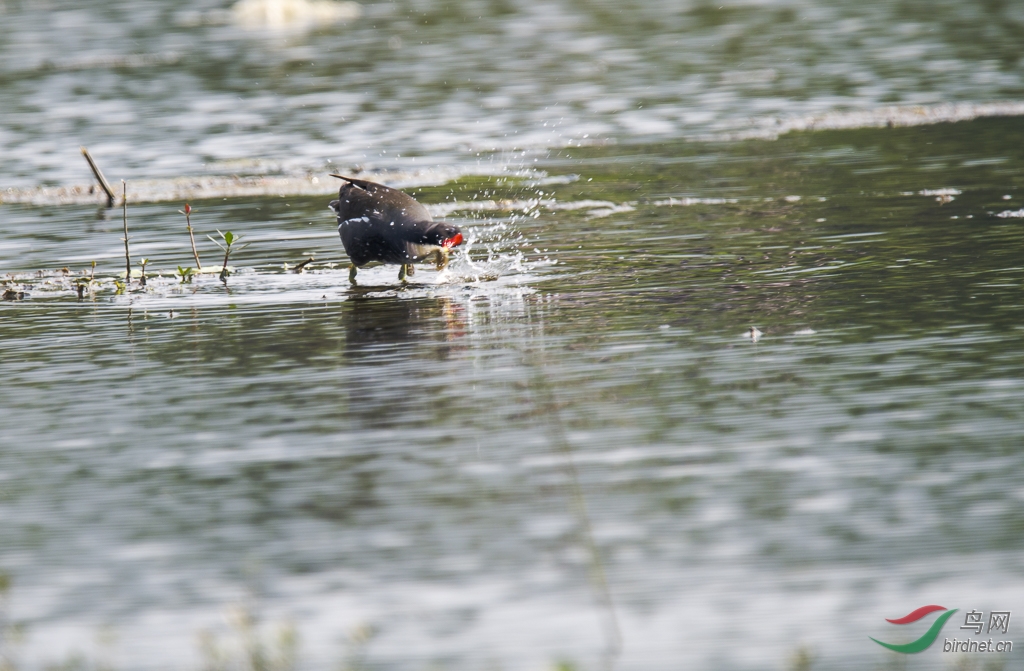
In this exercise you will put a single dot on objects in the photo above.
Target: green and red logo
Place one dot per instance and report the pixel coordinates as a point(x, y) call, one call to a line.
point(929, 636)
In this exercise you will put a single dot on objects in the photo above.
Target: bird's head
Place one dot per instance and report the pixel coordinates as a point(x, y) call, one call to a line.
point(446, 235)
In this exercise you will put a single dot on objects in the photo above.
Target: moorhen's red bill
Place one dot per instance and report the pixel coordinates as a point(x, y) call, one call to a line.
point(383, 225)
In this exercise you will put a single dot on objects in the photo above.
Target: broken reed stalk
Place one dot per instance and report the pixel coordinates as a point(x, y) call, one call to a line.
point(127, 258)
point(99, 176)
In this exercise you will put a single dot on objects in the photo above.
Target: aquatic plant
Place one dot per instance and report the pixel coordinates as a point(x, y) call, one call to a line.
point(188, 224)
point(85, 283)
point(356, 642)
point(252, 648)
point(11, 633)
point(127, 256)
point(229, 239)
point(186, 274)
point(802, 659)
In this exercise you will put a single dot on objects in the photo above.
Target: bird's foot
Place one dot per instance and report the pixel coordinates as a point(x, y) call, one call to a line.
point(352, 273)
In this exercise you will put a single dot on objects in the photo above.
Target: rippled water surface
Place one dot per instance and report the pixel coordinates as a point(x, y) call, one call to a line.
point(160, 88)
point(566, 448)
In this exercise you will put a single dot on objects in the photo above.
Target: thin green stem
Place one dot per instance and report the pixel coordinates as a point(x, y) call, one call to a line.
point(192, 239)
point(224, 266)
point(124, 215)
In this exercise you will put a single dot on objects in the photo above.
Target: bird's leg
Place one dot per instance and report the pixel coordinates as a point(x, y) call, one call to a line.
point(401, 273)
point(352, 273)
point(441, 259)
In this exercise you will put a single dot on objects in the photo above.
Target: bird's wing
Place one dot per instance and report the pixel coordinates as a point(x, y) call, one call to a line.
point(361, 183)
point(389, 201)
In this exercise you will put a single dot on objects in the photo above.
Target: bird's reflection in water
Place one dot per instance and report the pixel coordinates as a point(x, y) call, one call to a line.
point(380, 328)
point(406, 350)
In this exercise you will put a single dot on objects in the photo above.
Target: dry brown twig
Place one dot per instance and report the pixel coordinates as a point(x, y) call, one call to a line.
point(104, 184)
point(298, 268)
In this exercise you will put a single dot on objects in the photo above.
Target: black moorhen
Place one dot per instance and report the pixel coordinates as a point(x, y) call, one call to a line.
point(383, 225)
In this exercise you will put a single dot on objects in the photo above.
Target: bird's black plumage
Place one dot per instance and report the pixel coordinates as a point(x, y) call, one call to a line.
point(378, 223)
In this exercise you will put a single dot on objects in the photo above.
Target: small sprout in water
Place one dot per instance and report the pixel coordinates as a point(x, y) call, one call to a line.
point(119, 286)
point(185, 274)
point(229, 239)
point(143, 262)
point(81, 285)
